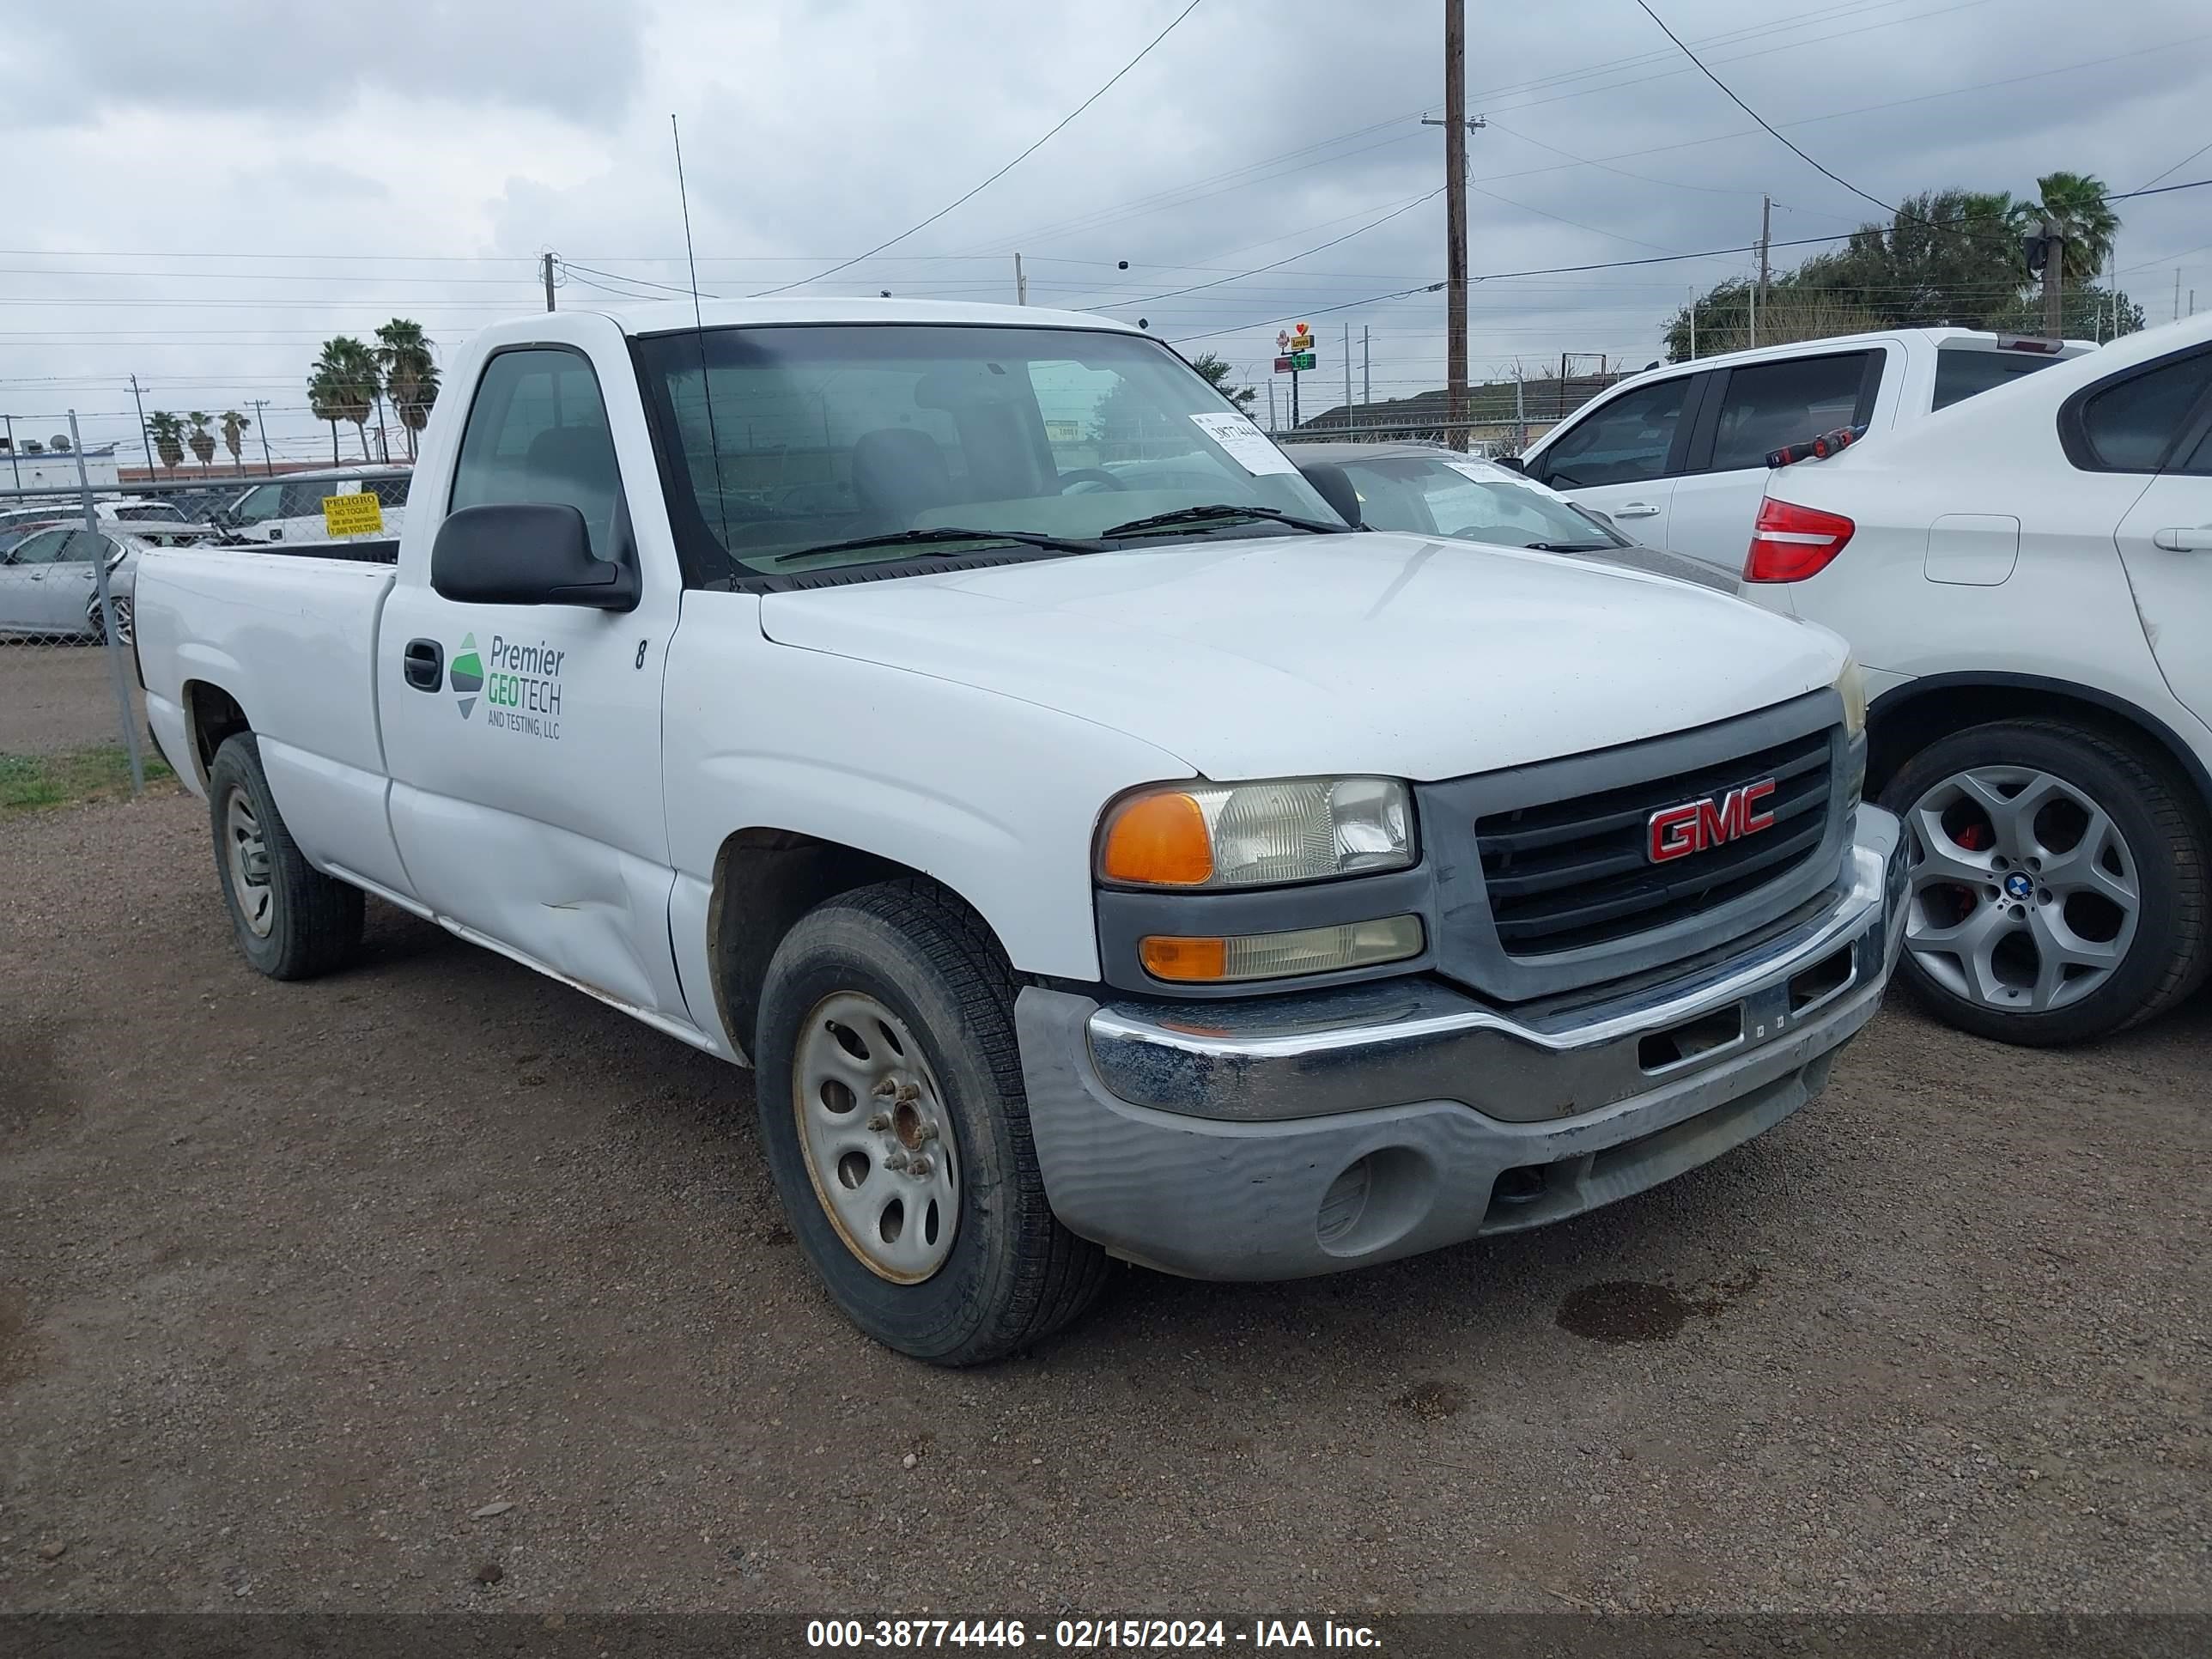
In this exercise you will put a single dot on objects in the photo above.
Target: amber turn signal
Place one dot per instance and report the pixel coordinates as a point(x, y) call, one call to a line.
point(1159, 840)
point(1188, 960)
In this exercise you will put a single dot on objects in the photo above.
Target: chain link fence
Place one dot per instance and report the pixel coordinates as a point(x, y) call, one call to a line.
point(73, 532)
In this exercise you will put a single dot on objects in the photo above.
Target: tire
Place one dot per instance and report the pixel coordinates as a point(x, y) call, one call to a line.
point(294, 922)
point(1009, 1274)
point(95, 620)
point(2051, 882)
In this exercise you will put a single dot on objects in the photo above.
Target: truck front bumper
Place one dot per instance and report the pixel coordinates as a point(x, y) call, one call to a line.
point(1287, 1136)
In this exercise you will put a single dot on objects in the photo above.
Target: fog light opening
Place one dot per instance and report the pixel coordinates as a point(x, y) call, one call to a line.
point(1376, 1201)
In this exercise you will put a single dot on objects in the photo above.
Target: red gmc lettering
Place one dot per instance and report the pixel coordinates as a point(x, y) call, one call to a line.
point(1677, 831)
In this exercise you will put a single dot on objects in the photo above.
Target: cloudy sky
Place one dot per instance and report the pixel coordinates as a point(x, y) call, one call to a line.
point(201, 194)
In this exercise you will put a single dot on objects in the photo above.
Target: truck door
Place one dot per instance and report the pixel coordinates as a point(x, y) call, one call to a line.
point(524, 740)
point(2164, 417)
point(1620, 457)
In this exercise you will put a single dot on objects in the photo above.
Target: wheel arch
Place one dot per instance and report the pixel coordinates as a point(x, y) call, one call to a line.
point(1907, 718)
point(212, 716)
point(765, 879)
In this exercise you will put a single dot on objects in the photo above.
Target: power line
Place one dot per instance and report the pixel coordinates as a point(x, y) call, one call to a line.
point(1003, 171)
point(1257, 271)
point(2177, 166)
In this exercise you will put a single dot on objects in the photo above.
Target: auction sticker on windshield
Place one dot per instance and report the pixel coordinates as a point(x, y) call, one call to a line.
point(1247, 445)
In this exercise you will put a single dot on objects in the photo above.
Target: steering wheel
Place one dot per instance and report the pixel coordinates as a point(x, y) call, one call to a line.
point(1090, 475)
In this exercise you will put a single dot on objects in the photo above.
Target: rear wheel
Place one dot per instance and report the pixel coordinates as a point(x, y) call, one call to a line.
point(292, 921)
point(896, 1127)
point(2058, 882)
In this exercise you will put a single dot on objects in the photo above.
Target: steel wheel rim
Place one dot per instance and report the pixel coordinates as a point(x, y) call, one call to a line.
point(2025, 896)
point(247, 854)
point(876, 1138)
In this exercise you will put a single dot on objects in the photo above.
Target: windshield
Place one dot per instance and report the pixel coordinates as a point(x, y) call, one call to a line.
point(793, 437)
point(1473, 500)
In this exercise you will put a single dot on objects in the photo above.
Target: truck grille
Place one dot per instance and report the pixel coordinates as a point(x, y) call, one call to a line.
point(1576, 872)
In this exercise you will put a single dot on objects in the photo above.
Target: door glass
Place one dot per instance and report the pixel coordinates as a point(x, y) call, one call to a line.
point(1963, 371)
point(1767, 405)
point(260, 504)
point(48, 547)
point(537, 434)
point(2128, 427)
point(1626, 441)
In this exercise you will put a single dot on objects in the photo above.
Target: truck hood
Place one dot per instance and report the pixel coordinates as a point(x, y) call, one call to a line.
point(1396, 655)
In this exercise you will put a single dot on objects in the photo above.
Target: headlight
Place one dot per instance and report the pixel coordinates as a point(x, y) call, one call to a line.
point(1850, 685)
point(1256, 835)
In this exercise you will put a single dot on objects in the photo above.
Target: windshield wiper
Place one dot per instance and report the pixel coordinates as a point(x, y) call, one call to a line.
point(944, 533)
point(1568, 547)
point(1222, 510)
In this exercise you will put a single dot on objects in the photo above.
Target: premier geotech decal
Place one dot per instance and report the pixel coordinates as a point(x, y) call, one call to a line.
point(521, 690)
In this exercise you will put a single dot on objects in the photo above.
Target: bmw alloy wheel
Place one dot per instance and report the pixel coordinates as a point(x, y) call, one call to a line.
point(2026, 895)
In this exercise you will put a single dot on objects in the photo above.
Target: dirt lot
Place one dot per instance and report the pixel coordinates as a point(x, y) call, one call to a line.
point(57, 697)
point(296, 1281)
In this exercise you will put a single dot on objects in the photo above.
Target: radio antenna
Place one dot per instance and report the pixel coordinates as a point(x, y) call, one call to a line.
point(699, 333)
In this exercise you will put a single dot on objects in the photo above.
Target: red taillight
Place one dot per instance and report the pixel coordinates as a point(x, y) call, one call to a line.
point(1791, 542)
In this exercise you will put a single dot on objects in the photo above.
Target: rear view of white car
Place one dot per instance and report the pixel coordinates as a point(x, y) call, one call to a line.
point(2027, 578)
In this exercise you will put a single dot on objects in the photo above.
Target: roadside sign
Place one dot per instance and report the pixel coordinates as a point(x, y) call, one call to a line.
point(1300, 360)
point(358, 514)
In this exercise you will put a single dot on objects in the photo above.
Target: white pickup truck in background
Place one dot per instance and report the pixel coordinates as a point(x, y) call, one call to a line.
point(965, 716)
point(1677, 457)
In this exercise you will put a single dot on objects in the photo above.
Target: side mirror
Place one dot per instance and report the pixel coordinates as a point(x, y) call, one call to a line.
point(525, 553)
point(1333, 485)
point(1513, 461)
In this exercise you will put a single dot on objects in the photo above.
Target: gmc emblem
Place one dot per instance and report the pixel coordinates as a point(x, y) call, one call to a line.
point(1695, 826)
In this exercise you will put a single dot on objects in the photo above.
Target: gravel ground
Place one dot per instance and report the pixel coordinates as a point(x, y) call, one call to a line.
point(345, 1295)
point(56, 697)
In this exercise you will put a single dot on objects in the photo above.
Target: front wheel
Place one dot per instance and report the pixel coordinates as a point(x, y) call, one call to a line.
point(2058, 887)
point(896, 1129)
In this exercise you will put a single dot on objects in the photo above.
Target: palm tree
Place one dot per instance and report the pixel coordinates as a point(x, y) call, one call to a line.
point(202, 440)
point(167, 433)
point(233, 437)
point(351, 385)
point(410, 374)
point(2076, 201)
point(323, 403)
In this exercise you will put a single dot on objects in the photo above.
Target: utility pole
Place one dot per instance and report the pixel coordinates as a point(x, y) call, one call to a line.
point(1366, 367)
point(268, 461)
point(547, 259)
point(1347, 364)
point(1271, 403)
point(1766, 241)
point(1456, 224)
point(1294, 400)
point(1520, 412)
point(143, 437)
point(2177, 294)
point(2054, 278)
point(1694, 323)
point(16, 462)
point(1021, 283)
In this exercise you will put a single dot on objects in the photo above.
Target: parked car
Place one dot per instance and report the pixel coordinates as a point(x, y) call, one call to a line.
point(2028, 579)
point(49, 585)
point(290, 508)
point(1425, 489)
point(1166, 873)
point(1677, 457)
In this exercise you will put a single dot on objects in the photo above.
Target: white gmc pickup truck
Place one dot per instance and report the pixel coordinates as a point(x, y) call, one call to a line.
point(965, 717)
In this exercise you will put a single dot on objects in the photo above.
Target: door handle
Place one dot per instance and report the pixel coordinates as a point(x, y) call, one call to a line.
point(424, 664)
point(2184, 538)
point(1636, 510)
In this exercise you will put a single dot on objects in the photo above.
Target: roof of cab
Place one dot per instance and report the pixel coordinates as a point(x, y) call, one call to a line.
point(661, 317)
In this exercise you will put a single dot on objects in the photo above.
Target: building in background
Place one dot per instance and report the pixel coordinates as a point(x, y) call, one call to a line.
point(30, 464)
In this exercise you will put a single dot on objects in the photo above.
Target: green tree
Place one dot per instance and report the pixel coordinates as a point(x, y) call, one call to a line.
point(167, 433)
point(1217, 376)
point(2076, 201)
point(201, 439)
point(2088, 313)
point(350, 383)
point(410, 374)
point(233, 437)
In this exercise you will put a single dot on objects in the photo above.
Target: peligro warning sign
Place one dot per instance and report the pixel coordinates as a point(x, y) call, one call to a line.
point(358, 514)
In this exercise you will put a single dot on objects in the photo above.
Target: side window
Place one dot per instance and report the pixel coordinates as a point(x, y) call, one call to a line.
point(2128, 425)
point(304, 501)
point(259, 503)
point(2199, 459)
point(538, 433)
point(1767, 405)
point(390, 492)
point(48, 547)
point(1624, 441)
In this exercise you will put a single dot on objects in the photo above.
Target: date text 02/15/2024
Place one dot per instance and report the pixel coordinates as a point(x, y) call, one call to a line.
point(1086, 1635)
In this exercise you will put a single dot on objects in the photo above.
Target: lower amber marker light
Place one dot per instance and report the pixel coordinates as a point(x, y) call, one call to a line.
point(1193, 961)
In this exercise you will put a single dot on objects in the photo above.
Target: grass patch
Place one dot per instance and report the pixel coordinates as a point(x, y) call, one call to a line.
point(30, 783)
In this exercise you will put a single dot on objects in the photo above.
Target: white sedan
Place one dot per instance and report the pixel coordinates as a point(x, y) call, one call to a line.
point(2027, 578)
